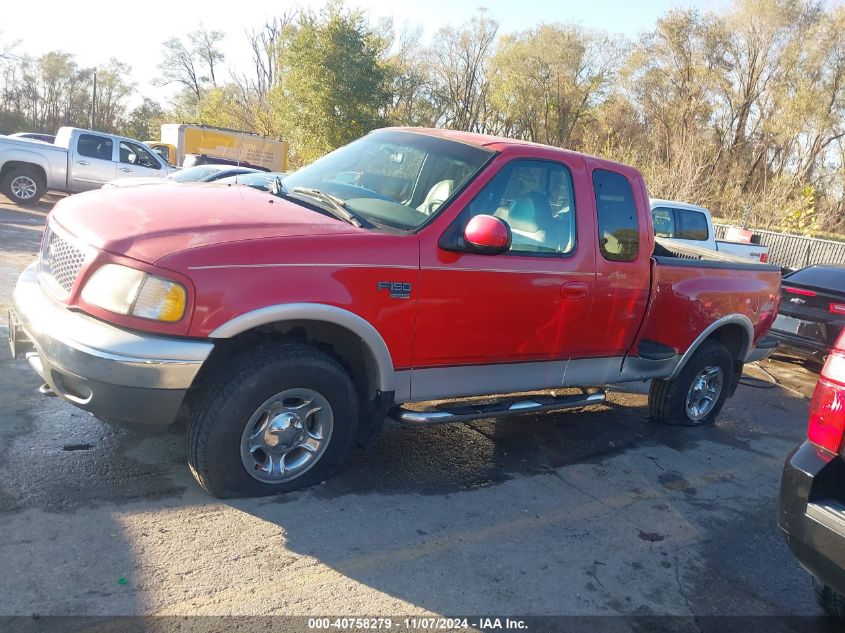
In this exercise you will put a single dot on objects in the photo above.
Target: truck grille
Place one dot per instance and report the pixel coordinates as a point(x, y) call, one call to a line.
point(61, 261)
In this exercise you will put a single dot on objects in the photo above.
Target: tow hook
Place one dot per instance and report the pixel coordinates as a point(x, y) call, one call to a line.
point(45, 390)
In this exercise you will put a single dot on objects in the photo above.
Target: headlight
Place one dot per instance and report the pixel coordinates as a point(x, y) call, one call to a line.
point(125, 290)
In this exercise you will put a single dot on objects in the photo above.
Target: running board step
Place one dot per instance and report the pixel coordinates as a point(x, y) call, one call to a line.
point(467, 413)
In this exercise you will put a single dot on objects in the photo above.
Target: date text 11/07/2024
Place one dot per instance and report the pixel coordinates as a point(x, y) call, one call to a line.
point(418, 623)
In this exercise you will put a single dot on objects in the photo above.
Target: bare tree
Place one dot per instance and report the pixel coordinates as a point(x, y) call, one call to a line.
point(460, 60)
point(185, 63)
point(204, 46)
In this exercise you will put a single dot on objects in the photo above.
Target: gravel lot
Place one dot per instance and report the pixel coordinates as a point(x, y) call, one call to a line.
point(586, 512)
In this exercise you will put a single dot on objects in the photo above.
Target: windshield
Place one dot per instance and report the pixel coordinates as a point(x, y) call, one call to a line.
point(391, 177)
point(194, 174)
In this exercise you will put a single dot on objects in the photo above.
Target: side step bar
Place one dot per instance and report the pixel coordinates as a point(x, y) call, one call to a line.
point(467, 413)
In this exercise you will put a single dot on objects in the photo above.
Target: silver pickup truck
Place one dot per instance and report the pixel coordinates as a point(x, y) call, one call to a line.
point(79, 160)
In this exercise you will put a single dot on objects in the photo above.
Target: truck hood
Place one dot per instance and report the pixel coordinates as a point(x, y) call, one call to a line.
point(148, 223)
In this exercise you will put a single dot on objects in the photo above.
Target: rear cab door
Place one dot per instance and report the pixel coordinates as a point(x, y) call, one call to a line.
point(623, 269)
point(93, 160)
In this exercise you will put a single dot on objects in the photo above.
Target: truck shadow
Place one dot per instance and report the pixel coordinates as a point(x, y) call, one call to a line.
point(446, 518)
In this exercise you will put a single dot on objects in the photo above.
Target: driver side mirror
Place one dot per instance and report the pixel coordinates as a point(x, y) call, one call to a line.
point(487, 235)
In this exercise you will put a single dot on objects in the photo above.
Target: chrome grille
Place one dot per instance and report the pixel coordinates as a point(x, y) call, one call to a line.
point(61, 261)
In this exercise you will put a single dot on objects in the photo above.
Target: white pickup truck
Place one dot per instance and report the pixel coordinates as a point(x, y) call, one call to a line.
point(79, 160)
point(693, 225)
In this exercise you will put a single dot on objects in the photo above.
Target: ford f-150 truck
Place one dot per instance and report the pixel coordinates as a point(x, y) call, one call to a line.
point(79, 160)
point(409, 266)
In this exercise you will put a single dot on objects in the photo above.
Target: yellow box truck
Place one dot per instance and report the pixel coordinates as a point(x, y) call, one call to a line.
point(179, 140)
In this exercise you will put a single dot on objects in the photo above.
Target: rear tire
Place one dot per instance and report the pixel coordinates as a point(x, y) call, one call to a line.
point(274, 419)
point(696, 395)
point(24, 187)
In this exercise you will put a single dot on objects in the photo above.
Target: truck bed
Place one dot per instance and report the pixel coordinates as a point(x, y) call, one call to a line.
point(706, 286)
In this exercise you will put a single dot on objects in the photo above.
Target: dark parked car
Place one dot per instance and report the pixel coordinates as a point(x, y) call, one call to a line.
point(200, 173)
point(812, 310)
point(192, 160)
point(812, 488)
point(263, 181)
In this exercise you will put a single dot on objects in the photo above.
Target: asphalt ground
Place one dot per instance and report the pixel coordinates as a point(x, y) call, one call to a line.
point(592, 512)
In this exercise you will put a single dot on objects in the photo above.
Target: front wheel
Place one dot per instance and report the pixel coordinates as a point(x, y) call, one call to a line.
point(278, 418)
point(696, 395)
point(23, 186)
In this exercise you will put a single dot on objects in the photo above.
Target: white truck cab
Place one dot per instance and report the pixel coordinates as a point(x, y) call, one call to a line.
point(79, 160)
point(693, 225)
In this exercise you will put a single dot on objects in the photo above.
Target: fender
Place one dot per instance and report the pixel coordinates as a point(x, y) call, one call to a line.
point(738, 319)
point(18, 155)
point(318, 312)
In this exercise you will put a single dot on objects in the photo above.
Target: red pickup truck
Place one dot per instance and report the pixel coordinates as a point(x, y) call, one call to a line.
point(409, 266)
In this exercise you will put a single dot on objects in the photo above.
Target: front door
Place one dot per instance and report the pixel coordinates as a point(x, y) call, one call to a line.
point(93, 162)
point(136, 160)
point(506, 322)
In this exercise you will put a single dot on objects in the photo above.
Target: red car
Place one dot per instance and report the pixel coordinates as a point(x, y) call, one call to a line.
point(411, 265)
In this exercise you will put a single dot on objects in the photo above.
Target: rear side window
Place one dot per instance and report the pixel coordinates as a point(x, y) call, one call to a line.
point(617, 216)
point(94, 146)
point(692, 225)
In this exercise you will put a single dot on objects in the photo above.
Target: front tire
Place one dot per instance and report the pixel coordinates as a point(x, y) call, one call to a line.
point(24, 187)
point(696, 395)
point(274, 419)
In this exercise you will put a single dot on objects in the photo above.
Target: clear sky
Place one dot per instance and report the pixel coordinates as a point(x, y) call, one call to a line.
point(133, 30)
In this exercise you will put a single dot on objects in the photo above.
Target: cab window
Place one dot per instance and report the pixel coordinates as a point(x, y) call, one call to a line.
point(134, 154)
point(692, 225)
point(535, 198)
point(616, 211)
point(94, 146)
point(664, 222)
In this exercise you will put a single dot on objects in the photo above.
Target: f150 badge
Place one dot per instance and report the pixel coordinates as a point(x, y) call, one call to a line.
point(397, 289)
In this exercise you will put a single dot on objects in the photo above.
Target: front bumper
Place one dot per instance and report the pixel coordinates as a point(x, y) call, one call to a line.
point(120, 376)
point(811, 516)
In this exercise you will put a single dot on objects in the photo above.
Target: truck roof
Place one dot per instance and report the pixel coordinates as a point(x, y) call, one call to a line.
point(659, 202)
point(499, 143)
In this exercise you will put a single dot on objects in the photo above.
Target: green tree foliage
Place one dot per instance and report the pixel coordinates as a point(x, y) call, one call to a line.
point(144, 121)
point(334, 83)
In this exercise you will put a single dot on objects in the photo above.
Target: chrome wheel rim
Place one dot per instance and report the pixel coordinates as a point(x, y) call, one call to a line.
point(23, 187)
point(704, 392)
point(286, 435)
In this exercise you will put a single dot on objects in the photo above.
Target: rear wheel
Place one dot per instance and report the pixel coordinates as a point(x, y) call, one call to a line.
point(278, 418)
point(23, 186)
point(697, 394)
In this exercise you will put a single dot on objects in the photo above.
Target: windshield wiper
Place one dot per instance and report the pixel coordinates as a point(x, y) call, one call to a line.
point(333, 204)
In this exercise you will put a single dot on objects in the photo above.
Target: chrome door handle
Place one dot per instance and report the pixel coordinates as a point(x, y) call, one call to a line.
point(574, 290)
point(124, 169)
point(82, 162)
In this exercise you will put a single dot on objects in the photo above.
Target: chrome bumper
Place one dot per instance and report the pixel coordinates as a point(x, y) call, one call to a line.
point(118, 375)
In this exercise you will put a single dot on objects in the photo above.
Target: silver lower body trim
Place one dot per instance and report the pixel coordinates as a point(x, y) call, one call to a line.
point(467, 413)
